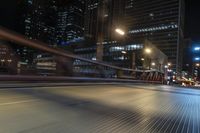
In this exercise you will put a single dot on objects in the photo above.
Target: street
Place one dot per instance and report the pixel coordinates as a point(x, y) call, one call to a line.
point(114, 108)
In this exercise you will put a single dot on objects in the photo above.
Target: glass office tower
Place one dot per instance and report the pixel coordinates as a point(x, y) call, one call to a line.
point(159, 21)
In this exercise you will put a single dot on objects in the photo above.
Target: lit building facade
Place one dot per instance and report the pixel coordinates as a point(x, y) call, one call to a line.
point(91, 18)
point(193, 58)
point(8, 59)
point(39, 24)
point(70, 23)
point(161, 22)
point(40, 20)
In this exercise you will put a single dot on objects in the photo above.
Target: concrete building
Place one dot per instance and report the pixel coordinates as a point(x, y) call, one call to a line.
point(8, 59)
point(39, 24)
point(161, 22)
point(46, 64)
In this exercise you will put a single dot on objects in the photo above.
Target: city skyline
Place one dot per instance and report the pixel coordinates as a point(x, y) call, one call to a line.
point(106, 66)
point(67, 23)
point(8, 16)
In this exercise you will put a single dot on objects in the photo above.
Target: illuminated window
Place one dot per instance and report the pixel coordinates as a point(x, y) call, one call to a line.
point(164, 27)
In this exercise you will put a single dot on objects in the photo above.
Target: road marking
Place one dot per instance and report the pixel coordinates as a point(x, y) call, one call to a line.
point(18, 102)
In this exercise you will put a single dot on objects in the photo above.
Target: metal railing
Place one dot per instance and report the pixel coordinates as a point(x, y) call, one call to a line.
point(19, 39)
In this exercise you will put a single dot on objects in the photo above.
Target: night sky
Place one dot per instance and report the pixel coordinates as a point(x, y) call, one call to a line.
point(8, 9)
point(192, 20)
point(9, 17)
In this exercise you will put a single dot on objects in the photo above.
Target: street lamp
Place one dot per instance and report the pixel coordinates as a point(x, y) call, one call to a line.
point(197, 49)
point(120, 31)
point(169, 64)
point(148, 51)
point(153, 63)
point(124, 52)
point(9, 60)
point(2, 60)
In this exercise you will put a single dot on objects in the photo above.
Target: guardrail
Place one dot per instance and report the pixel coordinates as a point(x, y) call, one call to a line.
point(17, 78)
point(24, 41)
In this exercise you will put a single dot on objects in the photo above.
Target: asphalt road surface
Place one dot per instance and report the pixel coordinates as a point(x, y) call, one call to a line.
point(120, 108)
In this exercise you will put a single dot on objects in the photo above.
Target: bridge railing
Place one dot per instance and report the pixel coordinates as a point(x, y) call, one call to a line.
point(52, 61)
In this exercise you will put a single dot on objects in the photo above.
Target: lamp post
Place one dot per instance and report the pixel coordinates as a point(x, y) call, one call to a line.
point(169, 73)
point(147, 52)
point(120, 31)
point(123, 34)
point(153, 64)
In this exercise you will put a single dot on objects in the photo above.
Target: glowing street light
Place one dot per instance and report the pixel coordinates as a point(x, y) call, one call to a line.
point(197, 49)
point(197, 58)
point(9, 60)
point(124, 52)
point(119, 31)
point(169, 64)
point(148, 50)
point(197, 65)
point(142, 59)
point(153, 63)
point(106, 15)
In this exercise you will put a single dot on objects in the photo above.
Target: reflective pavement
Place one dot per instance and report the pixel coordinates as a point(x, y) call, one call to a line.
point(120, 108)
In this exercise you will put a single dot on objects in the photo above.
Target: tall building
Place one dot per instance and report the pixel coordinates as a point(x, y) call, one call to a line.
point(55, 22)
point(159, 21)
point(101, 19)
point(8, 58)
point(39, 24)
point(91, 18)
point(70, 22)
point(40, 20)
point(103, 15)
point(188, 55)
point(193, 53)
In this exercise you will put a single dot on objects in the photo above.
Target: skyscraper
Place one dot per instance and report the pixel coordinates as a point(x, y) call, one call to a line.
point(39, 24)
point(105, 14)
point(91, 18)
point(159, 21)
point(101, 18)
point(40, 20)
point(70, 22)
